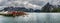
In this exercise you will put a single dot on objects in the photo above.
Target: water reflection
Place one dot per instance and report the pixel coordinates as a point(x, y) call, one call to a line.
point(33, 18)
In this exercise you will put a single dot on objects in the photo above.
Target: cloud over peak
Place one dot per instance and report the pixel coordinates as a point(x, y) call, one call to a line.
point(36, 4)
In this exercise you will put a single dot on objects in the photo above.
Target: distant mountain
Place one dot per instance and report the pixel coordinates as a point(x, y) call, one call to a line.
point(37, 10)
point(20, 9)
point(51, 8)
point(14, 8)
point(47, 8)
point(58, 6)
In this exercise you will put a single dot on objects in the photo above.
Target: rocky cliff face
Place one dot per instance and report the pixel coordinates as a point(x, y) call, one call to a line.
point(47, 8)
point(51, 8)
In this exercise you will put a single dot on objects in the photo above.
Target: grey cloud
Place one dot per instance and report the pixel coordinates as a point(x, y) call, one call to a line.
point(40, 3)
point(54, 2)
point(35, 2)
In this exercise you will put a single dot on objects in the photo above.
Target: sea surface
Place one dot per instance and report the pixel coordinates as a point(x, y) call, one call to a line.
point(33, 18)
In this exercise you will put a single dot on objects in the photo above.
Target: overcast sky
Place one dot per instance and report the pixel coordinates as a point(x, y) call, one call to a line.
point(54, 2)
point(36, 4)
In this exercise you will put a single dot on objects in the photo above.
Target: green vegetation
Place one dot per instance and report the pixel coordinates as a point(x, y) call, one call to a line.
point(56, 10)
point(7, 15)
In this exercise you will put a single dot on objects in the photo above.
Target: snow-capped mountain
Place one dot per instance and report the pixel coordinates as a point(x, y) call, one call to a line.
point(33, 4)
point(20, 9)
